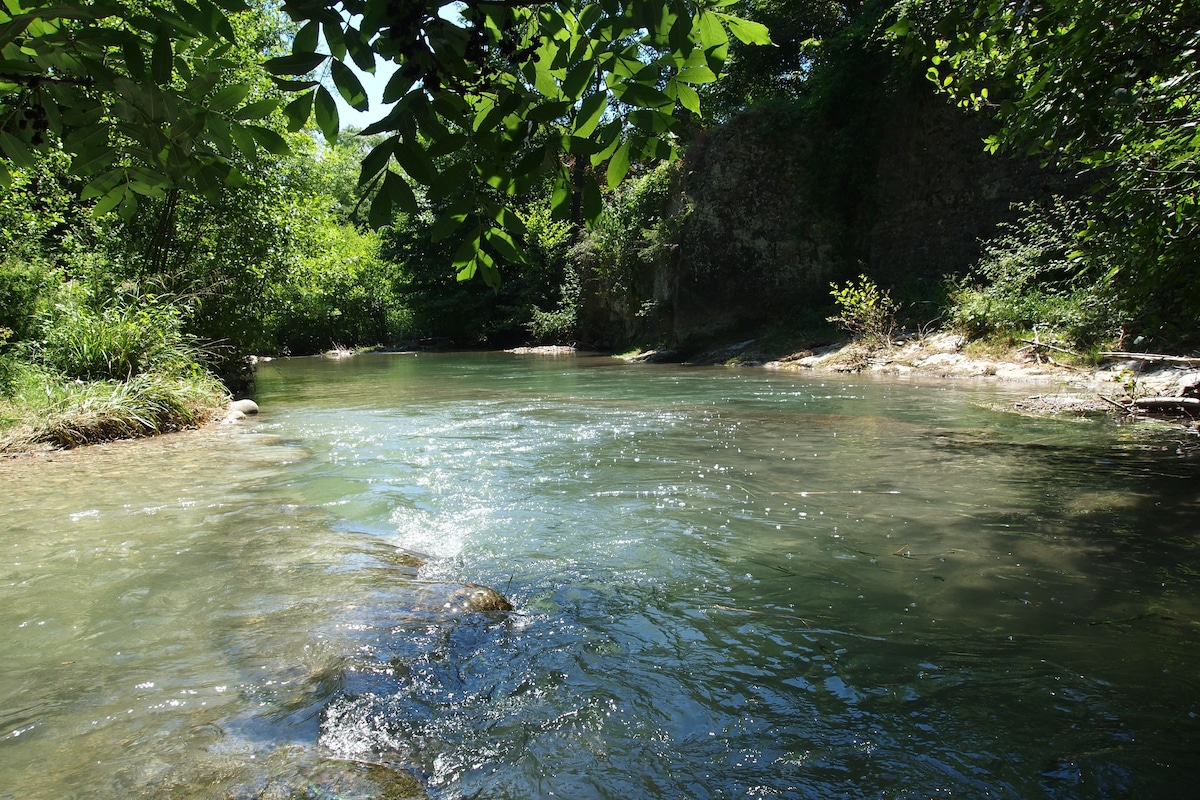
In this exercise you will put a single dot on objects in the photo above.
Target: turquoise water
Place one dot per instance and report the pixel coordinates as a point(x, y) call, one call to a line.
point(727, 584)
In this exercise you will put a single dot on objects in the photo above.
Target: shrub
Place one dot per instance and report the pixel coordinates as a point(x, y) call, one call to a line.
point(865, 310)
point(1030, 277)
point(22, 287)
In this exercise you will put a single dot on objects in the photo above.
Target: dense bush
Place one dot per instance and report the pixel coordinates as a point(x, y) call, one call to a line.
point(1030, 278)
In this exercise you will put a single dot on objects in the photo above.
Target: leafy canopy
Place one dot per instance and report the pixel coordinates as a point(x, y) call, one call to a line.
point(148, 95)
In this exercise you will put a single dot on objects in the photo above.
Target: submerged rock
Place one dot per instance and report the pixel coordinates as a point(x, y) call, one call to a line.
point(459, 598)
point(347, 780)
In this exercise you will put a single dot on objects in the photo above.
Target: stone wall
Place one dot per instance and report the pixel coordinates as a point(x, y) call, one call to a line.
point(772, 222)
point(937, 193)
point(751, 245)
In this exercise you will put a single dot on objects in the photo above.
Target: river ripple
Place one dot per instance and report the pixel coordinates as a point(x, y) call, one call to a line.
point(727, 584)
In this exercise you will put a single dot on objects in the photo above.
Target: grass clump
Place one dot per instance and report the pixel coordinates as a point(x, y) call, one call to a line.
point(43, 408)
point(89, 370)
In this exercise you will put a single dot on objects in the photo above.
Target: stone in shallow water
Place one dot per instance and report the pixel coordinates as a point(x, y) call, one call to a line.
point(348, 780)
point(459, 598)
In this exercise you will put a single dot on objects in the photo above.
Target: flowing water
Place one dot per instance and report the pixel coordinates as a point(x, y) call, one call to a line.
point(727, 584)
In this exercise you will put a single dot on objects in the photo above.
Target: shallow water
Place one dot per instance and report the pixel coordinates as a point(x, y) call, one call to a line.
point(727, 584)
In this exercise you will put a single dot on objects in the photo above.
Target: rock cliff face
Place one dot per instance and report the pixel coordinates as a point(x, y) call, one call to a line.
point(937, 194)
point(777, 208)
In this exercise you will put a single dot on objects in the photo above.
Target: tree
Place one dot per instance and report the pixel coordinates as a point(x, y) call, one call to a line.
point(1106, 86)
point(144, 97)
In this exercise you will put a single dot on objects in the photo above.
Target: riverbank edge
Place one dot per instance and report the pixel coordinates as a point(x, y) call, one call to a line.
point(1120, 387)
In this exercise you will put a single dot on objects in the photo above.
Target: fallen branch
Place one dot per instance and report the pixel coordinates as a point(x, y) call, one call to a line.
point(1047, 346)
point(1124, 409)
point(1153, 357)
point(1160, 403)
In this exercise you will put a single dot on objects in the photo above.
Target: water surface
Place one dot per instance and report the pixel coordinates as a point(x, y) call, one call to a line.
point(727, 584)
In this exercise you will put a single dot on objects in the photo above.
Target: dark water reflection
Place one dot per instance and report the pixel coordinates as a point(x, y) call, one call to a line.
point(728, 584)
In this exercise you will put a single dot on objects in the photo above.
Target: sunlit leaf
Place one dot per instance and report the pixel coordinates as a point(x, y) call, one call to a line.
point(618, 165)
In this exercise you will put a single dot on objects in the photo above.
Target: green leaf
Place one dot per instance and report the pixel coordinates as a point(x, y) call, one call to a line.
point(413, 159)
point(451, 179)
point(380, 215)
point(307, 37)
point(530, 162)
point(446, 144)
point(349, 86)
point(712, 33)
point(244, 139)
point(560, 201)
point(334, 38)
point(326, 112)
point(109, 201)
point(578, 78)
point(590, 113)
point(229, 97)
point(397, 86)
point(258, 109)
point(361, 53)
point(295, 64)
point(271, 141)
point(697, 75)
point(15, 150)
point(298, 111)
point(639, 94)
point(161, 60)
point(509, 220)
point(135, 61)
point(503, 244)
point(400, 192)
point(688, 97)
point(491, 275)
point(447, 224)
point(376, 160)
point(549, 111)
point(747, 31)
point(293, 86)
point(618, 165)
point(467, 251)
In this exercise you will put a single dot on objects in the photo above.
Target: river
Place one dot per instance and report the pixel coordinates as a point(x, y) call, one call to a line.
point(726, 584)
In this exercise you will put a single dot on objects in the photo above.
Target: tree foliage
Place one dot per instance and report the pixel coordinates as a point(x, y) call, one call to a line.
point(142, 96)
point(146, 96)
point(1110, 87)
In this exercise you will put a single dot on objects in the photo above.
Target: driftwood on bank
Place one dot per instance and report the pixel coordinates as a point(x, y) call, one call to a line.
point(1166, 402)
point(1135, 405)
point(1153, 357)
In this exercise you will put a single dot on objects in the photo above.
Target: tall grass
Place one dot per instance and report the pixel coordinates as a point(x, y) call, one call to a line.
point(95, 369)
point(47, 410)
